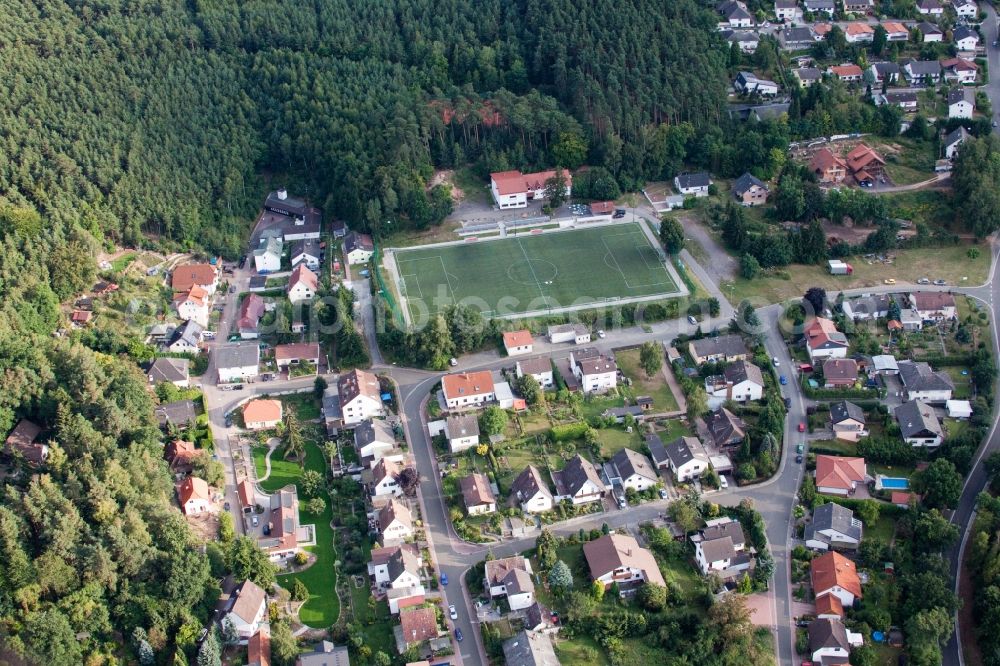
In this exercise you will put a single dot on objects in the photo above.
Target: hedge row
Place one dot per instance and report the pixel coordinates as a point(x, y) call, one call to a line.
point(569, 431)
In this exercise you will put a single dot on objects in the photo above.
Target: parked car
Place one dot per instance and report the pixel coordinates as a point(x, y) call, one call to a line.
point(601, 334)
point(788, 403)
point(452, 613)
point(776, 362)
point(620, 212)
point(939, 282)
point(692, 320)
point(802, 427)
point(453, 362)
point(722, 481)
point(225, 506)
point(243, 261)
point(782, 380)
point(924, 281)
point(800, 448)
point(458, 634)
point(255, 520)
point(444, 579)
point(889, 281)
point(663, 494)
point(233, 338)
point(798, 459)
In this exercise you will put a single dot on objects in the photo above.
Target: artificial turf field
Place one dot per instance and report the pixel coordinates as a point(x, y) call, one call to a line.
point(532, 272)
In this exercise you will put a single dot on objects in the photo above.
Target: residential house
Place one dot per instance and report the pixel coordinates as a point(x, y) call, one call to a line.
point(828, 643)
point(395, 523)
point(930, 33)
point(720, 548)
point(840, 475)
point(513, 189)
point(885, 71)
point(617, 559)
point(360, 397)
point(325, 654)
point(695, 184)
point(462, 432)
point(865, 164)
point(251, 310)
point(510, 577)
point(358, 248)
point(828, 607)
point(576, 333)
point(103, 288)
point(192, 305)
point(417, 625)
point(518, 342)
point(262, 414)
point(959, 70)
point(372, 437)
point(657, 451)
point(918, 424)
point(820, 6)
point(807, 76)
point(922, 72)
point(797, 38)
point(267, 257)
point(746, 40)
point(741, 381)
point(840, 373)
point(829, 168)
point(750, 190)
point(187, 276)
point(180, 413)
point(634, 469)
point(194, 496)
point(933, 305)
point(404, 570)
point(959, 409)
point(832, 573)
point(22, 443)
point(724, 428)
point(170, 370)
point(297, 353)
point(847, 421)
point(529, 648)
point(723, 348)
point(530, 492)
point(895, 31)
point(246, 609)
point(281, 537)
point(384, 475)
point(81, 317)
point(477, 494)
point(280, 203)
point(930, 8)
point(965, 9)
point(909, 320)
point(686, 458)
point(904, 99)
point(186, 338)
point(867, 307)
point(858, 33)
point(180, 455)
point(859, 6)
point(966, 39)
point(823, 340)
point(833, 526)
point(734, 14)
point(787, 10)
point(594, 371)
point(578, 482)
point(961, 103)
point(236, 362)
point(306, 252)
point(746, 83)
point(847, 72)
point(468, 389)
point(920, 382)
point(540, 368)
point(302, 284)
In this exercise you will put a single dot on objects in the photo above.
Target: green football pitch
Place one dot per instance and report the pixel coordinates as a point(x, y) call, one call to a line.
point(532, 272)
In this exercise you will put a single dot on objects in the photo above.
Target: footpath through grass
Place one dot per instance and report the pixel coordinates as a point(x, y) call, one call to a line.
point(323, 607)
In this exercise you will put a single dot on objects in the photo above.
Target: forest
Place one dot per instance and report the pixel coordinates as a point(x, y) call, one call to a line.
point(161, 121)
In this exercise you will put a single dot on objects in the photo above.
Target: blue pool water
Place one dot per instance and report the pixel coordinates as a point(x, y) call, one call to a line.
point(895, 484)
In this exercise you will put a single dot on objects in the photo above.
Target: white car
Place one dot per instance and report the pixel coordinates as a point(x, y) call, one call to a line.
point(722, 482)
point(776, 361)
point(452, 613)
point(600, 334)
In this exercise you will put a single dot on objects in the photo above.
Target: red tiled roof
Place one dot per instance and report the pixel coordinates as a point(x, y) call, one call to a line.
point(467, 384)
point(418, 625)
point(187, 276)
point(305, 276)
point(193, 488)
point(257, 411)
point(195, 294)
point(829, 604)
point(824, 160)
point(833, 569)
point(862, 157)
point(839, 471)
point(513, 182)
point(297, 350)
point(517, 338)
point(846, 70)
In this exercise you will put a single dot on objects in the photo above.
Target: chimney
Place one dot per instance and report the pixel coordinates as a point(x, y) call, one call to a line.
point(282, 194)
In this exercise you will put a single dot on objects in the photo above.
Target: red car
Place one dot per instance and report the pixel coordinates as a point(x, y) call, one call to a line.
point(802, 427)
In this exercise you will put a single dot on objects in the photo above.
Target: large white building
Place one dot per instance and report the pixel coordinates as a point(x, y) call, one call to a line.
point(513, 189)
point(595, 371)
point(468, 389)
point(237, 362)
point(360, 397)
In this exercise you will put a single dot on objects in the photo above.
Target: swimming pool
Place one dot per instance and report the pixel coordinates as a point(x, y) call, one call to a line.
point(891, 483)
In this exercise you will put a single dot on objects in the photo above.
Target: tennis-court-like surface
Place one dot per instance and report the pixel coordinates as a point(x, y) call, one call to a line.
point(532, 272)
